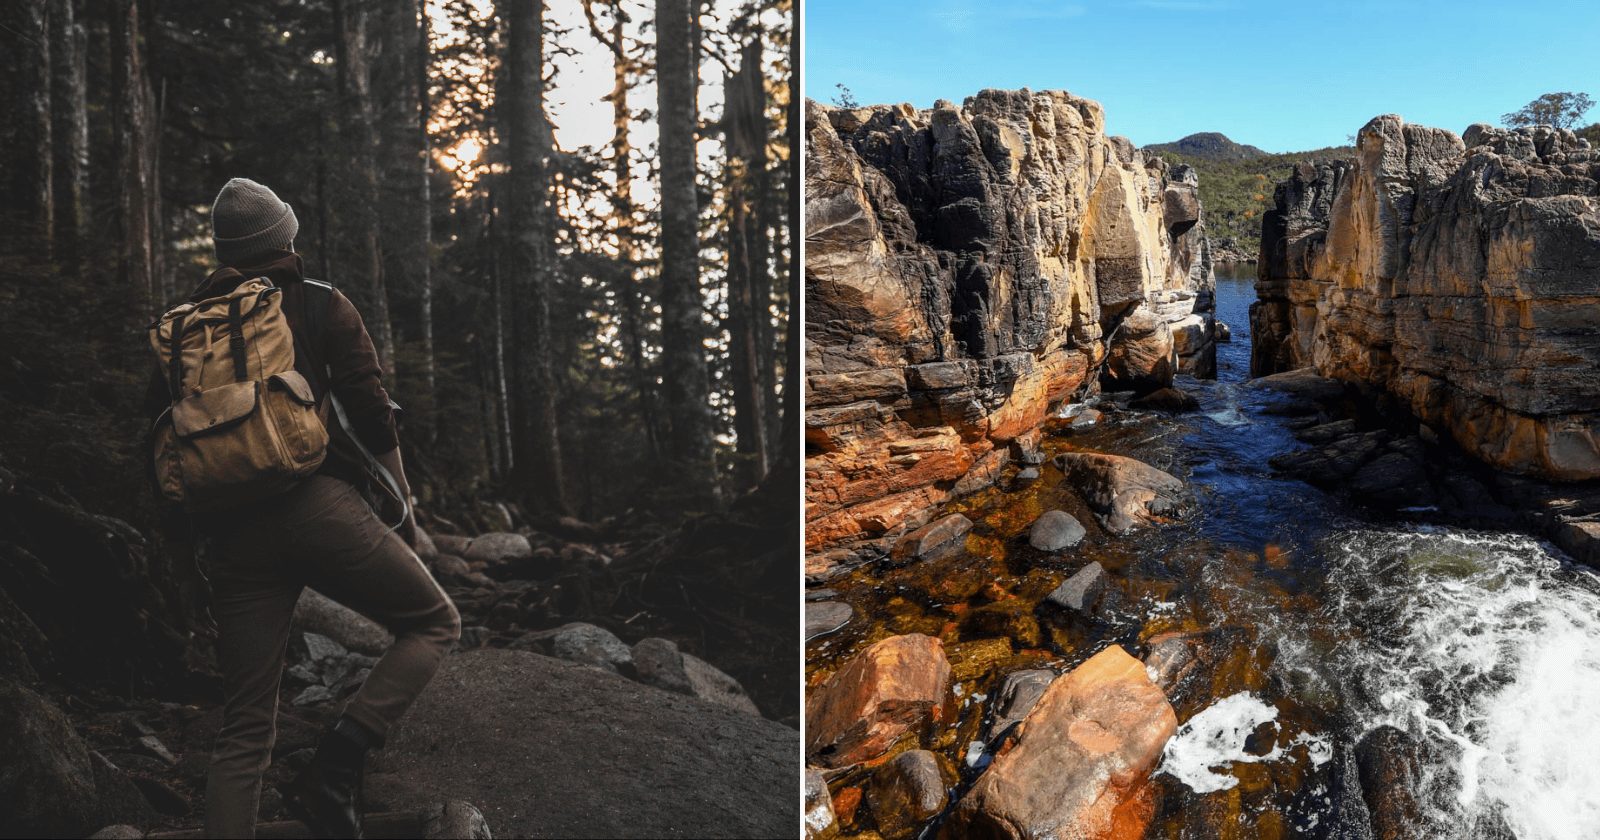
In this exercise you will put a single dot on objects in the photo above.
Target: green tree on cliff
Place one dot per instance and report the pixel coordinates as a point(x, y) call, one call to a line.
point(1562, 110)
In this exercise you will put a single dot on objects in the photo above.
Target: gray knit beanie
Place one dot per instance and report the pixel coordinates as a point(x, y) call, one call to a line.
point(248, 221)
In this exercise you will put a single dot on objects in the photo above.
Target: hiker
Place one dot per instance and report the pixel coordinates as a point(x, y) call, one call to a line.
point(273, 426)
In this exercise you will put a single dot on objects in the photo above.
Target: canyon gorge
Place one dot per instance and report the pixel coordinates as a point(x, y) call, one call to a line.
point(1104, 540)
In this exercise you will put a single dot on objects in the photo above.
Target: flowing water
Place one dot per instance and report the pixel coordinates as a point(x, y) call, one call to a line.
point(1323, 627)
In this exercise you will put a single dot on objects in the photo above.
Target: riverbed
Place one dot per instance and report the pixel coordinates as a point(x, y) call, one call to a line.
point(1459, 667)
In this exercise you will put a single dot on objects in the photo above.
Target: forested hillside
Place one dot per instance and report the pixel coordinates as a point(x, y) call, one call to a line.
point(590, 342)
point(1236, 189)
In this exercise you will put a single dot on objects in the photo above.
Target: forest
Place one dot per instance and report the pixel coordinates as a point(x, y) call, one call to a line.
point(568, 228)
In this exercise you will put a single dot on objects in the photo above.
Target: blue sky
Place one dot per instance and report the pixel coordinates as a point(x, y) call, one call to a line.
point(1279, 75)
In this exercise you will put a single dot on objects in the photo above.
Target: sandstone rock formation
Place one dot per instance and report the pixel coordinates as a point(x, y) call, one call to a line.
point(966, 269)
point(1456, 273)
point(887, 690)
point(1081, 763)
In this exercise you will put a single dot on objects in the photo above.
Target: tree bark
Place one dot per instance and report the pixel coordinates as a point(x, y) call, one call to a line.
point(132, 127)
point(528, 262)
point(353, 58)
point(791, 357)
point(749, 285)
point(70, 125)
point(686, 381)
point(30, 215)
point(406, 225)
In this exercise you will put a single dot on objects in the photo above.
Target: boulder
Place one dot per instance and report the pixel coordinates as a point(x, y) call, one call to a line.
point(1123, 492)
point(907, 791)
point(1025, 477)
point(1055, 530)
point(47, 778)
point(582, 643)
point(451, 544)
point(1391, 768)
point(1081, 592)
point(118, 832)
point(497, 548)
point(660, 663)
point(824, 617)
point(450, 569)
point(321, 615)
point(1142, 356)
point(1081, 760)
point(892, 687)
point(1169, 400)
point(932, 540)
point(1019, 691)
point(425, 548)
point(819, 821)
point(476, 733)
point(455, 820)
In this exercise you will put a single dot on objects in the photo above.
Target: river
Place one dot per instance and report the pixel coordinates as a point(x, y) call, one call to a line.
point(1322, 624)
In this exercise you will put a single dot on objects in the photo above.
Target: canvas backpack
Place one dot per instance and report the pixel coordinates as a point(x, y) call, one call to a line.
point(243, 424)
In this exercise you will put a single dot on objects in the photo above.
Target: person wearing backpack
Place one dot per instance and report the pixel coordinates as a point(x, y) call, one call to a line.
point(272, 421)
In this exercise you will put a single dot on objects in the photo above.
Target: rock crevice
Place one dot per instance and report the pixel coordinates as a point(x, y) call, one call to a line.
point(967, 268)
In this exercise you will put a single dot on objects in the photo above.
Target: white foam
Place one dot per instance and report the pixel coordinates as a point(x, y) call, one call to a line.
point(1487, 649)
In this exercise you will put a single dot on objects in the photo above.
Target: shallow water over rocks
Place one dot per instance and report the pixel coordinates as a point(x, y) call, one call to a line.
point(1334, 673)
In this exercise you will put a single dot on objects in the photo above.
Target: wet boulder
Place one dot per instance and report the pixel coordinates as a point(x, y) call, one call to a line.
point(1055, 530)
point(819, 820)
point(893, 687)
point(1082, 592)
point(932, 540)
point(824, 617)
point(1141, 356)
point(1169, 400)
point(1081, 760)
point(1019, 692)
point(1123, 492)
point(907, 791)
point(1390, 764)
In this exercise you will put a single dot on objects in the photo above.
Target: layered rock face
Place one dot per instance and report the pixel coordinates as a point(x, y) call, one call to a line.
point(966, 269)
point(1460, 274)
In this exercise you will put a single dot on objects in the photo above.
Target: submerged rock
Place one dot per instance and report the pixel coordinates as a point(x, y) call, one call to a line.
point(824, 617)
point(1081, 592)
point(819, 821)
point(907, 791)
point(933, 539)
point(1170, 400)
point(1016, 696)
point(1123, 492)
point(894, 686)
point(1055, 530)
point(1081, 761)
point(1390, 764)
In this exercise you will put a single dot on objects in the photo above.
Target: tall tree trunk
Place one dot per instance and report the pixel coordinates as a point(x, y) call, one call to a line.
point(26, 208)
point(400, 94)
point(131, 126)
point(684, 371)
point(354, 53)
point(528, 262)
point(623, 211)
point(749, 286)
point(70, 125)
point(791, 356)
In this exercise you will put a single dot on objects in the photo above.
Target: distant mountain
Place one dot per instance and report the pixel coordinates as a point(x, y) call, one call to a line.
point(1209, 145)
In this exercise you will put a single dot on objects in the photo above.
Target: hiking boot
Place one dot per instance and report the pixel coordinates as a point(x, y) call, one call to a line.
point(326, 796)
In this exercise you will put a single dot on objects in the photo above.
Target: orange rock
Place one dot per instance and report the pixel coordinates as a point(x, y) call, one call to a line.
point(1082, 759)
point(894, 686)
point(845, 803)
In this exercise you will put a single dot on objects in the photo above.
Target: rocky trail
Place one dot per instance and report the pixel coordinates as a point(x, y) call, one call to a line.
point(542, 723)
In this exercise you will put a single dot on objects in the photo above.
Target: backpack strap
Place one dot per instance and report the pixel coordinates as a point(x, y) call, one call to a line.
point(316, 299)
point(241, 367)
point(175, 357)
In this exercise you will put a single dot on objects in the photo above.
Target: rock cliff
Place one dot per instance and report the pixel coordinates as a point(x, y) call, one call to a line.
point(1459, 274)
point(968, 268)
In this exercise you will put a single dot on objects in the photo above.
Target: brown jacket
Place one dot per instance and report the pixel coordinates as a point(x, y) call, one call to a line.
point(344, 347)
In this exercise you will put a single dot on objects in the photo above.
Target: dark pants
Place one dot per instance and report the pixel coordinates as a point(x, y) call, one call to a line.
point(323, 535)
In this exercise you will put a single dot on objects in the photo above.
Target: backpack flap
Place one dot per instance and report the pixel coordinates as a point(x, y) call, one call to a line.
point(294, 384)
point(213, 409)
